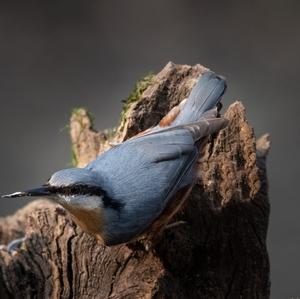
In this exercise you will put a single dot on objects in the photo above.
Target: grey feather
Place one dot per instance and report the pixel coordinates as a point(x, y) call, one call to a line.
point(142, 175)
point(204, 96)
point(145, 172)
point(136, 179)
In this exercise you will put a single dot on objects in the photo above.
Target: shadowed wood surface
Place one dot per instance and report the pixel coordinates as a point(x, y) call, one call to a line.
point(218, 250)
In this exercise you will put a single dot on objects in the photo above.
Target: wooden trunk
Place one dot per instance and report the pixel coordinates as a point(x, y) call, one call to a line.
point(218, 252)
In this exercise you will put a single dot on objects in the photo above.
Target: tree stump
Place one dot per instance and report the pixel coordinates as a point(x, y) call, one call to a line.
point(219, 250)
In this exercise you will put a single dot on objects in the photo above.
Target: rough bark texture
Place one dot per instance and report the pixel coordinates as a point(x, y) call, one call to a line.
point(218, 252)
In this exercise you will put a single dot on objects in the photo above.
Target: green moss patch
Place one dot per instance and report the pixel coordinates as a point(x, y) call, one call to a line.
point(139, 87)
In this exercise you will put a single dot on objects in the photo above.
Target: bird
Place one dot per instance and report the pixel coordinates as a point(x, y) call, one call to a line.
point(138, 185)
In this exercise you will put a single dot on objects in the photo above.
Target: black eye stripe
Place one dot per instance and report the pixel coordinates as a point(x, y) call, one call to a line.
point(85, 190)
point(76, 190)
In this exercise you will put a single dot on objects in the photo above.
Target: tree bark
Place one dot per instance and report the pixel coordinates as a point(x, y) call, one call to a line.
point(218, 250)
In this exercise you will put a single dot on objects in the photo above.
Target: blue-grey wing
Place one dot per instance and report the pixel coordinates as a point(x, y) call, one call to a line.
point(145, 167)
point(143, 174)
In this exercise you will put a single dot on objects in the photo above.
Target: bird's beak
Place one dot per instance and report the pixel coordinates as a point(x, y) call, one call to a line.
point(42, 191)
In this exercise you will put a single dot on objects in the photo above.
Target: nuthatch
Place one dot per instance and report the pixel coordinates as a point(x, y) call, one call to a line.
point(140, 184)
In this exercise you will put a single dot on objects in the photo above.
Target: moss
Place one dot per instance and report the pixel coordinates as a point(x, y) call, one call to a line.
point(23, 246)
point(134, 96)
point(66, 127)
point(91, 116)
point(74, 159)
point(110, 133)
point(77, 112)
point(139, 87)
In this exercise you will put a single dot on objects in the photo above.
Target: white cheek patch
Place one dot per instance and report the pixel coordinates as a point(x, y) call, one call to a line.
point(84, 201)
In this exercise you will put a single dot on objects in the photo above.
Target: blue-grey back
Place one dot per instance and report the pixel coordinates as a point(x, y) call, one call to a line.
point(204, 96)
point(143, 174)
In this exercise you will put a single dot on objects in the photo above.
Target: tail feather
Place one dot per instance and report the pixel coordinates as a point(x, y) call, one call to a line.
point(204, 96)
point(206, 126)
point(200, 105)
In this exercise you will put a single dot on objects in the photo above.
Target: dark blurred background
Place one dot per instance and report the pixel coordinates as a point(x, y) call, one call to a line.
point(59, 54)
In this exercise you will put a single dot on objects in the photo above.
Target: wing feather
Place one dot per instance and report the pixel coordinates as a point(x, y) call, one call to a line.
point(144, 173)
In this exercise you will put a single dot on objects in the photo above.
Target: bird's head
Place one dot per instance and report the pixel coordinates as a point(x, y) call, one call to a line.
point(78, 191)
point(72, 188)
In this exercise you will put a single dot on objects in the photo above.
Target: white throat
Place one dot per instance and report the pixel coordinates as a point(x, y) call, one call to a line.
point(81, 201)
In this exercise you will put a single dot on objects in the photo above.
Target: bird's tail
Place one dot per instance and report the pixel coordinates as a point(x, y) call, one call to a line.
point(204, 96)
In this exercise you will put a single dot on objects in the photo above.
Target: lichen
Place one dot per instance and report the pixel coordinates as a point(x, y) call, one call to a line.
point(74, 159)
point(139, 87)
point(110, 133)
point(79, 113)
